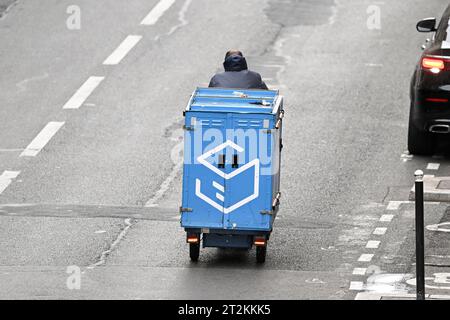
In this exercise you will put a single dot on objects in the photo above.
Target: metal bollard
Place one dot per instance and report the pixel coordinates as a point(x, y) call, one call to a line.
point(420, 239)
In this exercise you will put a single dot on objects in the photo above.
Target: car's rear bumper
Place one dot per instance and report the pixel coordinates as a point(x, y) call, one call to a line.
point(431, 116)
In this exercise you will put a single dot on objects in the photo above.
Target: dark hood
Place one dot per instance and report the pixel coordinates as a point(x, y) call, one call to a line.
point(235, 63)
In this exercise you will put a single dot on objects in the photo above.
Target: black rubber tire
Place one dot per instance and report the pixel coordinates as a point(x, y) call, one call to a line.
point(420, 142)
point(261, 254)
point(194, 251)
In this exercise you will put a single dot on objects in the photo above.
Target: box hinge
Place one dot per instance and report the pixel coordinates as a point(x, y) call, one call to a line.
point(266, 212)
point(185, 210)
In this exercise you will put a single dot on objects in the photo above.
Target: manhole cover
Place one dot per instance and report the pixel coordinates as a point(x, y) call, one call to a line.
point(444, 184)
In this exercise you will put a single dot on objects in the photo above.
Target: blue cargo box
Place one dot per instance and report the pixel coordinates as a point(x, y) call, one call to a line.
point(231, 172)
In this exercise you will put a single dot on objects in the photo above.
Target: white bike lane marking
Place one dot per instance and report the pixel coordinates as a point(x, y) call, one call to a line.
point(42, 139)
point(373, 244)
point(122, 50)
point(157, 12)
point(6, 179)
point(77, 100)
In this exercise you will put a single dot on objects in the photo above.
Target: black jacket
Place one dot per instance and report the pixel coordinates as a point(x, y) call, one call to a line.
point(237, 75)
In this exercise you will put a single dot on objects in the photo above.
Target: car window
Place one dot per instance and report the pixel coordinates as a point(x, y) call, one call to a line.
point(441, 34)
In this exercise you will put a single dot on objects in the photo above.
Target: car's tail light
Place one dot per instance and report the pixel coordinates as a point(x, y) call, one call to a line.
point(435, 65)
point(441, 100)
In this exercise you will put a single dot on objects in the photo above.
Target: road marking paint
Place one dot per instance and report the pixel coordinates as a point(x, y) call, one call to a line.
point(42, 139)
point(122, 50)
point(220, 197)
point(157, 12)
point(386, 218)
point(380, 231)
point(373, 244)
point(394, 205)
point(83, 93)
point(218, 186)
point(406, 156)
point(374, 65)
point(356, 285)
point(6, 178)
point(366, 257)
point(433, 166)
point(359, 271)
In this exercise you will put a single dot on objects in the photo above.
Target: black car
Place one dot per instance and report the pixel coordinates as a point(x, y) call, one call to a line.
point(430, 88)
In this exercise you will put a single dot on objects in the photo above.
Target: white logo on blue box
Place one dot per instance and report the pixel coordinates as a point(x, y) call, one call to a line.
point(227, 176)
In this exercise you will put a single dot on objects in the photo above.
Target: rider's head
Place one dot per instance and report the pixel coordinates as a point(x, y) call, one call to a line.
point(233, 52)
point(234, 61)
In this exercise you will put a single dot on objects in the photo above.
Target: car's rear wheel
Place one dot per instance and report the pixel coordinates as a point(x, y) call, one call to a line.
point(420, 142)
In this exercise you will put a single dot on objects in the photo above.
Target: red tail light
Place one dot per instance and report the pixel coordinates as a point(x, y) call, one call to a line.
point(436, 100)
point(259, 242)
point(193, 239)
point(433, 64)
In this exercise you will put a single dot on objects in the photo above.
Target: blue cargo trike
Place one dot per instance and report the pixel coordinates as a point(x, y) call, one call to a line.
point(231, 173)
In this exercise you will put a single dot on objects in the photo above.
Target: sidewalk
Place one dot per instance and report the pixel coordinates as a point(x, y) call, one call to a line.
point(437, 255)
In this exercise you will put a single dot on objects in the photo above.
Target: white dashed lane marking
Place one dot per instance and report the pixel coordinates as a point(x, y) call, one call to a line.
point(6, 178)
point(386, 218)
point(373, 244)
point(122, 50)
point(157, 12)
point(380, 231)
point(356, 285)
point(83, 93)
point(433, 166)
point(366, 257)
point(42, 139)
point(359, 271)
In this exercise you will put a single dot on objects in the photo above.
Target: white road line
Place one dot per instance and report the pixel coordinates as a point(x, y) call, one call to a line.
point(157, 12)
point(359, 271)
point(6, 178)
point(374, 65)
point(394, 205)
point(83, 93)
point(373, 244)
point(42, 139)
point(433, 166)
point(366, 257)
point(122, 50)
point(386, 218)
point(380, 231)
point(356, 285)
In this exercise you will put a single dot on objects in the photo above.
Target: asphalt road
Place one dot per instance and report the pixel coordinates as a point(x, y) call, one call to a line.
point(103, 193)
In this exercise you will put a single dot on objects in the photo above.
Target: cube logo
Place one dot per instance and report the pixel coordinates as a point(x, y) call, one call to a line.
point(254, 192)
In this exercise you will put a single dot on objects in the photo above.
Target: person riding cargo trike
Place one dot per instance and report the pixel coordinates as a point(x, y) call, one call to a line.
point(231, 173)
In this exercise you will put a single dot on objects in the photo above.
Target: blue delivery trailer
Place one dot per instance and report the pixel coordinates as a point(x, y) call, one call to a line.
point(231, 171)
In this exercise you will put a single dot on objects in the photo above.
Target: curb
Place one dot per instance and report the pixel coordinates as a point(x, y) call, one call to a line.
point(432, 190)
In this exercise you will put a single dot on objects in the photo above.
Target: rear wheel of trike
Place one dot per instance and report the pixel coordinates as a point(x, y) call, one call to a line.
point(261, 254)
point(194, 251)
